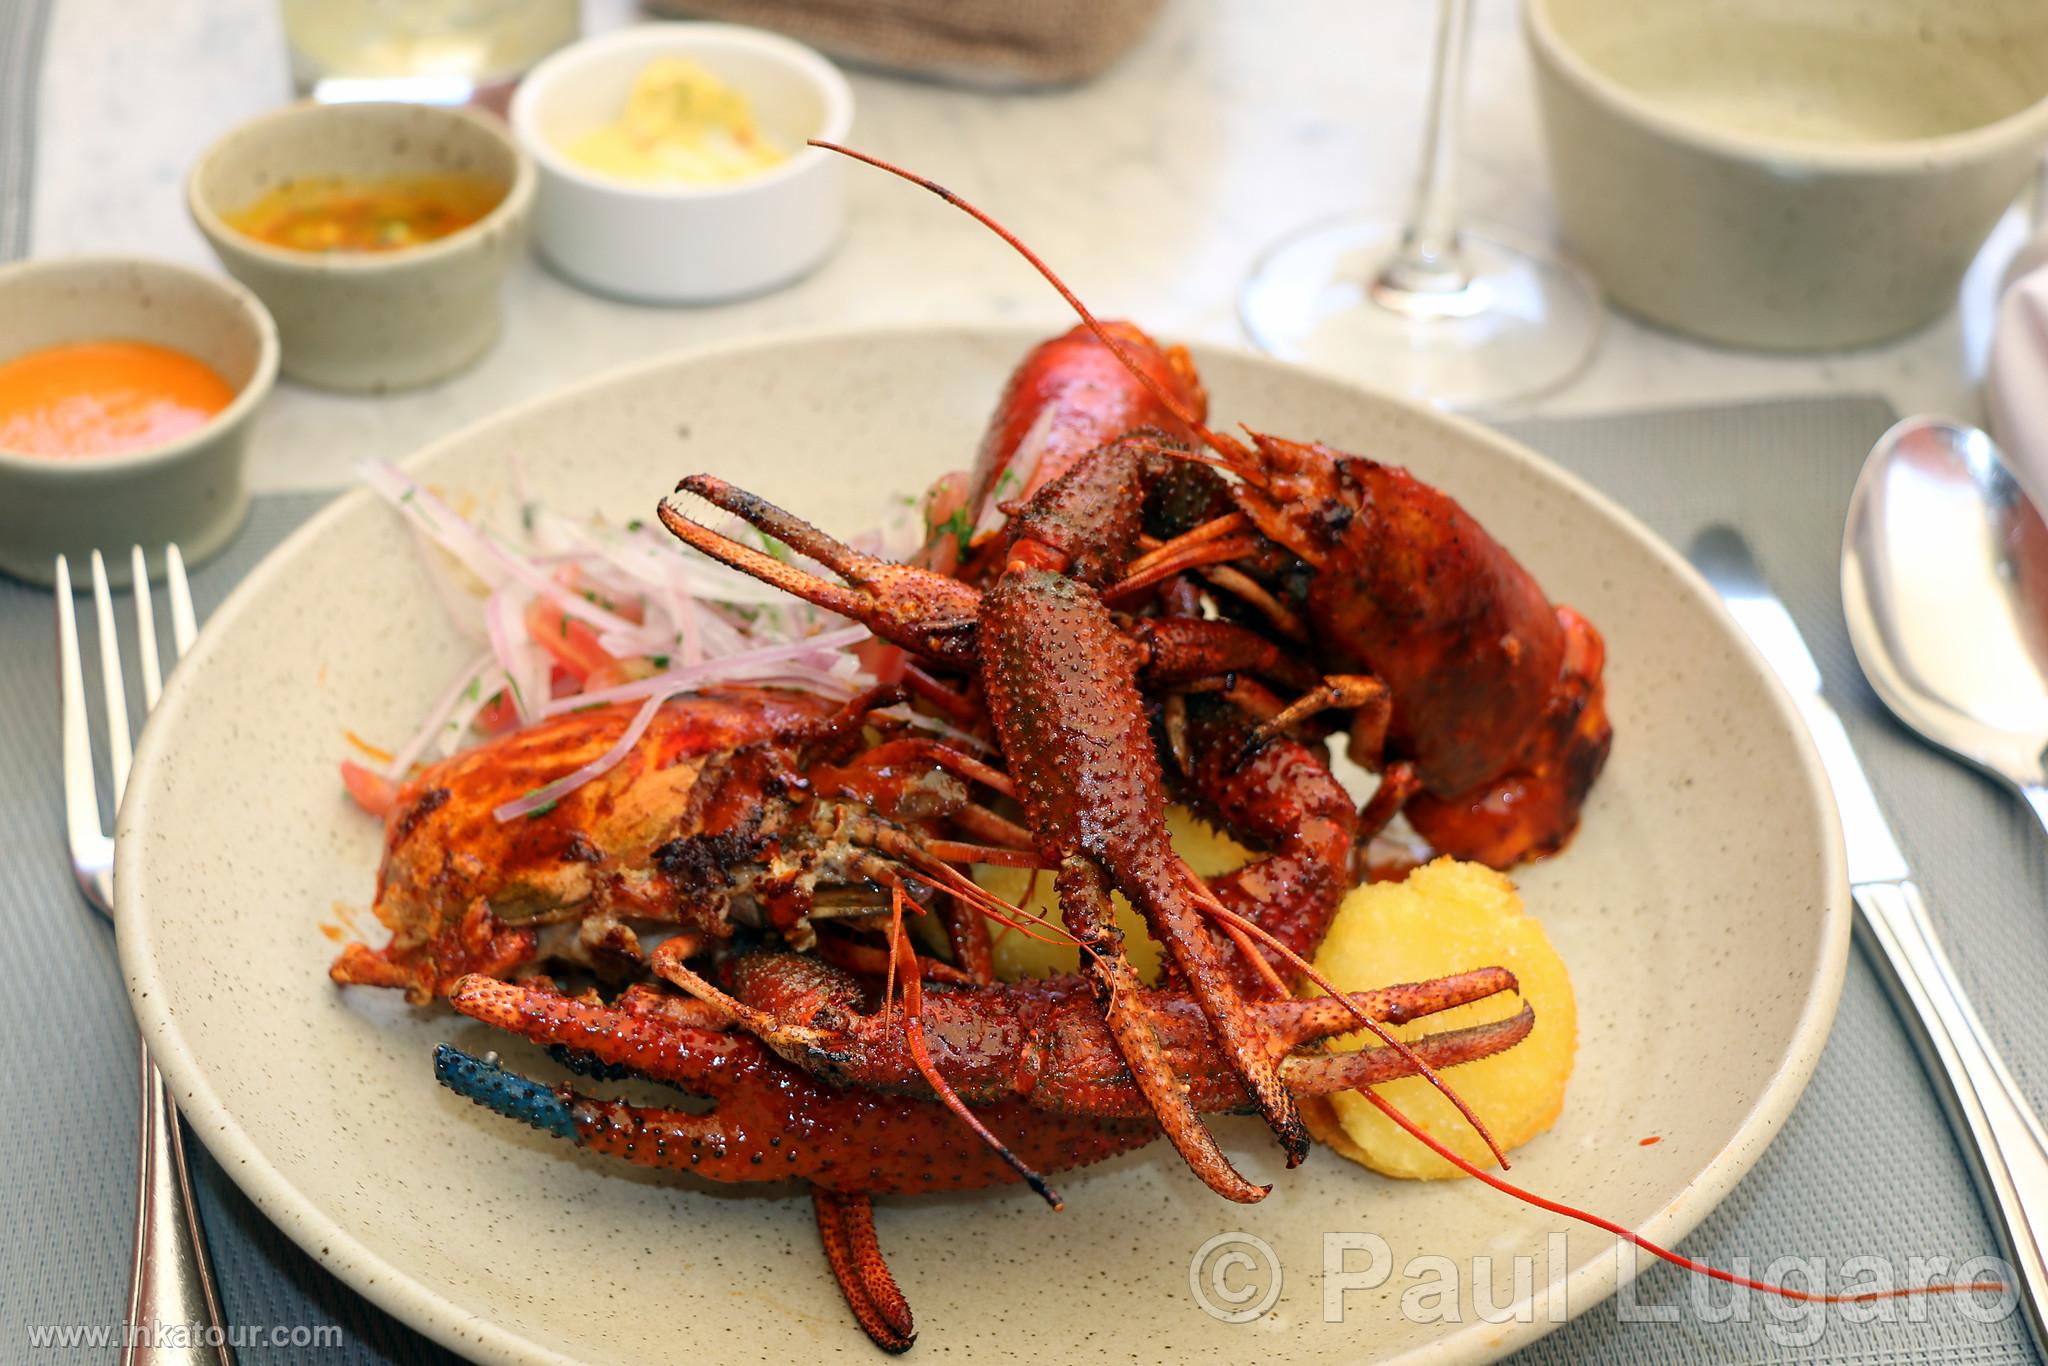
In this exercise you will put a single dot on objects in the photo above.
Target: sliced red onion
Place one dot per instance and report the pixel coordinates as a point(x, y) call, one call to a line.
point(526, 669)
point(543, 583)
point(463, 600)
point(454, 735)
point(920, 721)
point(542, 797)
point(676, 680)
point(1024, 465)
point(402, 762)
point(448, 528)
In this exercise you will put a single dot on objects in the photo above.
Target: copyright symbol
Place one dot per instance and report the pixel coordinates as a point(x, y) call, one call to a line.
point(1235, 1277)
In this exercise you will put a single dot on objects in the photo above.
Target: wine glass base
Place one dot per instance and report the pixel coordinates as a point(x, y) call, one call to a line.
point(1524, 324)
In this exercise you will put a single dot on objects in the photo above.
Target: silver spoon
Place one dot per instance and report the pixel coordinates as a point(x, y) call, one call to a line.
point(1945, 586)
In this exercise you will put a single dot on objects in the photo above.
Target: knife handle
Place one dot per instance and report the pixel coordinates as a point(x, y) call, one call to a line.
point(2008, 1146)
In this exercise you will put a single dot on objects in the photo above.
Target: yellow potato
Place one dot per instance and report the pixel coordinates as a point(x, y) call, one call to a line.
point(1209, 852)
point(1447, 917)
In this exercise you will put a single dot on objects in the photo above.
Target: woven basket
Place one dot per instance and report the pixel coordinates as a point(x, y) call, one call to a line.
point(977, 42)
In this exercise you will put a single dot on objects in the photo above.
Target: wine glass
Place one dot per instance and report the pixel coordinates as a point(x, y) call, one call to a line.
point(1455, 316)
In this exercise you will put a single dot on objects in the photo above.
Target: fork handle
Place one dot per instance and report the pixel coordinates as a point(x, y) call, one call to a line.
point(2007, 1145)
point(174, 1316)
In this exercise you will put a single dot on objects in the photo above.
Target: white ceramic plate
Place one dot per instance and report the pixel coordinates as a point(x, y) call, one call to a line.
point(1702, 909)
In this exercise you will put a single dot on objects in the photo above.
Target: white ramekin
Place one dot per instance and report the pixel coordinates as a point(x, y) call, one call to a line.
point(682, 244)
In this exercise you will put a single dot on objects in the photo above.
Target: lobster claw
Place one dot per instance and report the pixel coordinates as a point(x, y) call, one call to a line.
point(924, 612)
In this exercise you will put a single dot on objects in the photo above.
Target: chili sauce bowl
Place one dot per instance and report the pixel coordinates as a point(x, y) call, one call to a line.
point(189, 490)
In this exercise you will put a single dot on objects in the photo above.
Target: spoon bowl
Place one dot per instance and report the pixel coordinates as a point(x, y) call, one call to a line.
point(1945, 587)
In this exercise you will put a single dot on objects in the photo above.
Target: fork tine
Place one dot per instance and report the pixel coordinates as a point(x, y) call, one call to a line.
point(145, 625)
point(183, 628)
point(110, 673)
point(81, 801)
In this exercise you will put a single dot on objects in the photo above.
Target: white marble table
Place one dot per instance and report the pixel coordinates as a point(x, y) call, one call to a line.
point(1152, 189)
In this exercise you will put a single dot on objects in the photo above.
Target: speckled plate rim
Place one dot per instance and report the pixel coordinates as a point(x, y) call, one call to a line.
point(390, 1288)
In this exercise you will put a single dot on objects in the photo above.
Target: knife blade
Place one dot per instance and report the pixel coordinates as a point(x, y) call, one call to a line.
point(2003, 1137)
point(1723, 556)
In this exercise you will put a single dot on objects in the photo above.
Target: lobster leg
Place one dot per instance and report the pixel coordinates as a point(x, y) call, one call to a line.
point(915, 608)
point(1183, 649)
point(1064, 1064)
point(846, 1225)
point(1281, 796)
point(770, 1122)
point(1364, 695)
point(1085, 905)
point(1041, 1041)
point(1062, 690)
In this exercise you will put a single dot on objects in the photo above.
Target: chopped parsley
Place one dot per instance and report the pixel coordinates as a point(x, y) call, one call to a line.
point(959, 526)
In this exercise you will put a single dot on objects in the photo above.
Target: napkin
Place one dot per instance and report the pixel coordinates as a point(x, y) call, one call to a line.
point(2016, 379)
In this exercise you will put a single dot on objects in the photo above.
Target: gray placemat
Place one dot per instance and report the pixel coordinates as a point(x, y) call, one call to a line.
point(1864, 1168)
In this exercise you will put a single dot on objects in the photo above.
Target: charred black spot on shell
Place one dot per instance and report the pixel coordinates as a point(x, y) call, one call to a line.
point(708, 861)
point(580, 850)
point(587, 1064)
point(432, 800)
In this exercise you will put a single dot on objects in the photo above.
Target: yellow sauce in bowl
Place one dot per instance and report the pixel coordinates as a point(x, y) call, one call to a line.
point(681, 126)
point(324, 214)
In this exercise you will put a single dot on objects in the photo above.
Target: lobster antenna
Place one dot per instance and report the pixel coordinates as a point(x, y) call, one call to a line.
point(1122, 352)
point(1679, 1259)
point(920, 1054)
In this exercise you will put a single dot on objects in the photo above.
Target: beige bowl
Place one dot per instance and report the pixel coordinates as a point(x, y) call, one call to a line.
point(366, 321)
point(1787, 174)
point(191, 490)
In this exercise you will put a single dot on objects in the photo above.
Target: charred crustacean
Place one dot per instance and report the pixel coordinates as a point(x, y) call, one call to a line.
point(738, 808)
point(1036, 1057)
point(1489, 723)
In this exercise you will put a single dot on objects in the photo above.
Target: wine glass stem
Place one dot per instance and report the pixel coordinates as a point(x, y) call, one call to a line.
point(1428, 262)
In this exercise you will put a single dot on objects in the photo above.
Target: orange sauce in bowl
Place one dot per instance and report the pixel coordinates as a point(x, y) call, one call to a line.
point(104, 397)
point(366, 215)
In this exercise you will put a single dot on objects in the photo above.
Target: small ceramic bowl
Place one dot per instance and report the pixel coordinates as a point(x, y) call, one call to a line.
point(682, 244)
point(369, 321)
point(190, 490)
point(1787, 174)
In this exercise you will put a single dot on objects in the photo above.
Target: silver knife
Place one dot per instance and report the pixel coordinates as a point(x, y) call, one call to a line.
point(2007, 1145)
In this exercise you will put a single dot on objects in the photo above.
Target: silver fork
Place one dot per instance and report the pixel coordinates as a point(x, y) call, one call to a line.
point(170, 1288)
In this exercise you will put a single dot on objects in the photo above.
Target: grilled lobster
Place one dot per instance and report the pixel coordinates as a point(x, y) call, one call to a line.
point(1493, 725)
point(1060, 679)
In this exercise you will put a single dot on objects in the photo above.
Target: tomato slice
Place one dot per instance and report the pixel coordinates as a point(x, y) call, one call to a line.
point(571, 641)
point(498, 715)
point(632, 609)
point(371, 790)
point(885, 661)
